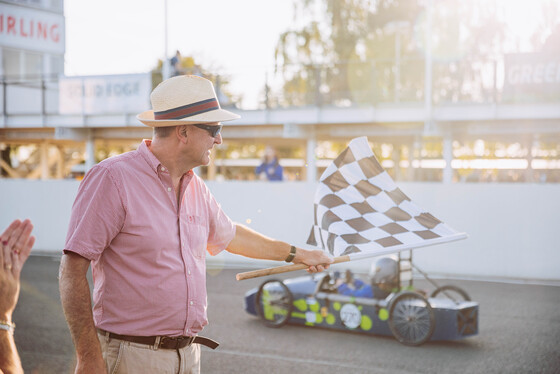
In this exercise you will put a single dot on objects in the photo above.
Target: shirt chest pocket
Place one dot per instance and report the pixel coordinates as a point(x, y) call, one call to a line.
point(196, 238)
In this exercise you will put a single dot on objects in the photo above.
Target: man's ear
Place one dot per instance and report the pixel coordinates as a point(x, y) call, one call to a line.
point(181, 132)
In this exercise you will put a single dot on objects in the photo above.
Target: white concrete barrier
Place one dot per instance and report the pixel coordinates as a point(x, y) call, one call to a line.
point(513, 228)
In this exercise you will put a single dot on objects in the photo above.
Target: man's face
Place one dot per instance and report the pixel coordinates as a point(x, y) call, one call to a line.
point(200, 142)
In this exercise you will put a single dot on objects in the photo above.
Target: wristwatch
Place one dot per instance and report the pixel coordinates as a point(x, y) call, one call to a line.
point(292, 254)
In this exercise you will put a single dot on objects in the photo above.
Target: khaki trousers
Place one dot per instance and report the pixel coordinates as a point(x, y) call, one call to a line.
point(122, 357)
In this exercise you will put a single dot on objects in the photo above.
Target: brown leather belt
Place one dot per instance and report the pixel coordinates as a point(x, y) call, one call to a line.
point(165, 342)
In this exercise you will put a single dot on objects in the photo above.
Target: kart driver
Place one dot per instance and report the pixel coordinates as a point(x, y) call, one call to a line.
point(384, 279)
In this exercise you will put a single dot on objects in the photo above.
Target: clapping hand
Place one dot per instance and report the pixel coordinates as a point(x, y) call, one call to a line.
point(15, 246)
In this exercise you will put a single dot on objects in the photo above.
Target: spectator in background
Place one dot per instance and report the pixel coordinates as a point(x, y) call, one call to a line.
point(175, 62)
point(270, 168)
point(15, 245)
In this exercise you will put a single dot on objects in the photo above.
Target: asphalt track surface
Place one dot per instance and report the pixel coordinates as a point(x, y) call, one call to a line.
point(519, 332)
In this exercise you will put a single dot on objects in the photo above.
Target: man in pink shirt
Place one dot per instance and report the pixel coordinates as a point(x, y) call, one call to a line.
point(144, 221)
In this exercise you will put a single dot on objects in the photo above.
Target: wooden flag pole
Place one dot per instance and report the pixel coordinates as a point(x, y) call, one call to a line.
point(282, 269)
point(351, 257)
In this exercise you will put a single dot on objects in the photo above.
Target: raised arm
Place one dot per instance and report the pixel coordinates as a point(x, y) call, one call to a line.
point(15, 246)
point(250, 243)
point(76, 303)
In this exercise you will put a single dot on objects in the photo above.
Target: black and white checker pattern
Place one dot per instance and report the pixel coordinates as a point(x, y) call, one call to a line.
point(359, 208)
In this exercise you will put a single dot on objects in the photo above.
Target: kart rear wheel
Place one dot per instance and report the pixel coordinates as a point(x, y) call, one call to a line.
point(274, 303)
point(411, 318)
point(453, 293)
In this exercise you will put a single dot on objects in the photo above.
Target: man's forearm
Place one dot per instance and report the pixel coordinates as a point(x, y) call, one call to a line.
point(9, 359)
point(76, 303)
point(250, 243)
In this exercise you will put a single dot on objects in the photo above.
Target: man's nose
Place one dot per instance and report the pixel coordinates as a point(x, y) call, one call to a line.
point(218, 139)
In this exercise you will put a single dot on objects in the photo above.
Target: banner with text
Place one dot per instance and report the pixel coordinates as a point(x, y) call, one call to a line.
point(31, 29)
point(105, 94)
point(531, 77)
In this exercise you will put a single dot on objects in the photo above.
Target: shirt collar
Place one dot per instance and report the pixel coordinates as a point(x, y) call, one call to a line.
point(151, 159)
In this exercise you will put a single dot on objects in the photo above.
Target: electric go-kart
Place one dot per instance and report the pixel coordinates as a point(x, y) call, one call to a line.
point(407, 314)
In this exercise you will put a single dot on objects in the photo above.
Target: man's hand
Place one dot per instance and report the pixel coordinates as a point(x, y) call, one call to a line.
point(317, 260)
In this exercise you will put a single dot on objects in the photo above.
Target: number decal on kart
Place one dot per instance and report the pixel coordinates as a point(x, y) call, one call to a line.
point(350, 315)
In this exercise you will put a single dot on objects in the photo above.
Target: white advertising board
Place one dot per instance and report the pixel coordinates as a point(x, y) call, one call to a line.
point(31, 29)
point(531, 77)
point(105, 94)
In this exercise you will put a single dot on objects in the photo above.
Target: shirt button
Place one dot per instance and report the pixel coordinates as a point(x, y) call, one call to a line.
point(162, 168)
point(169, 189)
point(191, 303)
point(189, 272)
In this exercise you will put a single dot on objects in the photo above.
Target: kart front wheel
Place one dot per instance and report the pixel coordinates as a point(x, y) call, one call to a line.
point(411, 318)
point(453, 293)
point(274, 303)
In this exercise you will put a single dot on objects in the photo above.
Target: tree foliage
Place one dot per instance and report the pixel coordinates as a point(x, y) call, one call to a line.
point(343, 52)
point(330, 57)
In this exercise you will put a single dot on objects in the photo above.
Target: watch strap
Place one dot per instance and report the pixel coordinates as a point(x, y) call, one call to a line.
point(292, 254)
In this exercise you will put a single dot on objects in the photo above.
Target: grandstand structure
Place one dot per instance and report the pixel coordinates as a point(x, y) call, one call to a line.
point(505, 129)
point(58, 138)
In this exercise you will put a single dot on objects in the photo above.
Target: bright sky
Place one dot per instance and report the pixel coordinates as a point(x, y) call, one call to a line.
point(235, 36)
point(128, 36)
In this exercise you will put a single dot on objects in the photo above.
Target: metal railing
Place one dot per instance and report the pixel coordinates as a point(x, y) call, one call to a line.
point(370, 83)
point(30, 95)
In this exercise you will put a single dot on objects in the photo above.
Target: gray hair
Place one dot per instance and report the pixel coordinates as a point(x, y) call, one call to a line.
point(163, 132)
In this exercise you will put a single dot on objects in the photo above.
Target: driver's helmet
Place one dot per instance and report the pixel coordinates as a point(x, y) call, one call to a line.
point(385, 273)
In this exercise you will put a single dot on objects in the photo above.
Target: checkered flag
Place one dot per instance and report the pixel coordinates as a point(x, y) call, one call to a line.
point(360, 210)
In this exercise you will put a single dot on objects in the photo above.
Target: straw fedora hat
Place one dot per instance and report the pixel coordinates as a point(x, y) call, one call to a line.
point(184, 100)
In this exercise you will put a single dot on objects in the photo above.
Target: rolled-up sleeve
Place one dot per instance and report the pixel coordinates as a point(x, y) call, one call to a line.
point(97, 216)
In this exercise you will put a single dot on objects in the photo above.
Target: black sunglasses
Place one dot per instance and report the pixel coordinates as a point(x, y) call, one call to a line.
point(212, 130)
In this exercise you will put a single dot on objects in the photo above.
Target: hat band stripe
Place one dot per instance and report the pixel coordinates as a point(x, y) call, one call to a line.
point(188, 110)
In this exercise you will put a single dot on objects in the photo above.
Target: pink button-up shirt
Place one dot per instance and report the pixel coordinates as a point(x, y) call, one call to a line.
point(147, 253)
